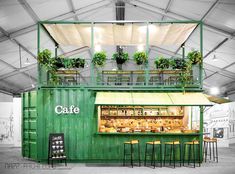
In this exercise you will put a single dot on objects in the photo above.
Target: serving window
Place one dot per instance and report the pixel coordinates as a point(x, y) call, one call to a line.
point(131, 119)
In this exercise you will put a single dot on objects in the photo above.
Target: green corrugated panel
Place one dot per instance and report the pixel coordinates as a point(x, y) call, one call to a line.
point(29, 126)
point(81, 140)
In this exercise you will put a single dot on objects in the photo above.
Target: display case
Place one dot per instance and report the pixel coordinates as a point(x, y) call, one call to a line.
point(173, 119)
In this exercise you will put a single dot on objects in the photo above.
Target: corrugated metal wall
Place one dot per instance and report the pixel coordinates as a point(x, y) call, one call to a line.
point(81, 139)
point(29, 127)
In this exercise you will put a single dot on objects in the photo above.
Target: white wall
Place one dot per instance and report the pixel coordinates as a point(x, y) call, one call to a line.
point(232, 97)
point(10, 123)
point(17, 115)
point(221, 116)
point(5, 97)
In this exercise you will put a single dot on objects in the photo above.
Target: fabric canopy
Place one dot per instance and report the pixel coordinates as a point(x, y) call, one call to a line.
point(113, 34)
point(138, 98)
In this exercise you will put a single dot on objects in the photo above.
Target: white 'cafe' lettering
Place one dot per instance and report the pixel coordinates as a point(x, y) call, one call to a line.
point(65, 110)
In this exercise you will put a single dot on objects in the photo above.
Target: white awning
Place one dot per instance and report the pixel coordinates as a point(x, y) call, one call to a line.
point(140, 98)
point(113, 34)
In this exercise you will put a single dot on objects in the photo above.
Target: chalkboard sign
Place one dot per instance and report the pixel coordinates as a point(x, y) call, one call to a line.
point(56, 149)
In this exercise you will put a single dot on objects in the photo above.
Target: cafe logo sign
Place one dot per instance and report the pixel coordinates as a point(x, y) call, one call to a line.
point(67, 110)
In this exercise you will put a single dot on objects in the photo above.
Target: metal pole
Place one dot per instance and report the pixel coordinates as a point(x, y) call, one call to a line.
point(201, 50)
point(92, 54)
point(147, 54)
point(38, 51)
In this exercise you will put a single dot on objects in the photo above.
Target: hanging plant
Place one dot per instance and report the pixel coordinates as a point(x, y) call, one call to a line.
point(49, 63)
point(99, 58)
point(121, 57)
point(44, 58)
point(58, 62)
point(185, 76)
point(140, 58)
point(178, 63)
point(162, 63)
point(79, 63)
point(195, 57)
point(69, 63)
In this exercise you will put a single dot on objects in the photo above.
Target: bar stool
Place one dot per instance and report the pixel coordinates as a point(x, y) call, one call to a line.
point(153, 146)
point(131, 144)
point(173, 145)
point(192, 146)
point(211, 142)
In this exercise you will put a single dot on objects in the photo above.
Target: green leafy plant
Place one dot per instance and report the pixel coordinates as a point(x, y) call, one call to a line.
point(185, 76)
point(140, 58)
point(195, 57)
point(178, 63)
point(82, 63)
point(120, 57)
point(69, 63)
point(58, 62)
point(162, 63)
point(44, 57)
point(49, 63)
point(99, 58)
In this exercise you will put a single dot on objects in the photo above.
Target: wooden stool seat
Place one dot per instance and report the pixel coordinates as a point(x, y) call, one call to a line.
point(192, 142)
point(172, 142)
point(132, 142)
point(154, 142)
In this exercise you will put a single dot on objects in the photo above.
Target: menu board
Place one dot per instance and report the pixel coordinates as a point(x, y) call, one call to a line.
point(56, 146)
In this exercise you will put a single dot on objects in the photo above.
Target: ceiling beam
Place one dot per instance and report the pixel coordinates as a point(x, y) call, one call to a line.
point(167, 8)
point(64, 16)
point(202, 19)
point(4, 91)
point(72, 8)
point(17, 70)
point(29, 10)
point(211, 67)
point(32, 66)
point(154, 9)
point(9, 86)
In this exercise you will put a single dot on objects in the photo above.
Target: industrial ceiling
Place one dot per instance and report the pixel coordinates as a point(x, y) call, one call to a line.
point(18, 34)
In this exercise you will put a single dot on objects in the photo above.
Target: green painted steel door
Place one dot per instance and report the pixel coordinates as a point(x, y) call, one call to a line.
point(29, 119)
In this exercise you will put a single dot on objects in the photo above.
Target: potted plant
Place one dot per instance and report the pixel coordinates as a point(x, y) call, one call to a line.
point(121, 57)
point(99, 58)
point(58, 62)
point(178, 63)
point(79, 63)
point(44, 58)
point(69, 63)
point(140, 58)
point(162, 63)
point(195, 57)
point(49, 63)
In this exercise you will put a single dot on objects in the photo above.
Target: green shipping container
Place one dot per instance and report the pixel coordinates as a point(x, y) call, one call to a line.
point(82, 140)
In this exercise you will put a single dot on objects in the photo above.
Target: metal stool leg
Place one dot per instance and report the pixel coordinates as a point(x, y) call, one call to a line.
point(145, 158)
point(216, 148)
point(164, 162)
point(194, 160)
point(161, 154)
point(139, 153)
point(131, 155)
point(180, 154)
point(189, 153)
point(199, 154)
point(124, 155)
point(184, 153)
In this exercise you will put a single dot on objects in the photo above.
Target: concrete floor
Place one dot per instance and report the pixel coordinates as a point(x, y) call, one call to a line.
point(12, 162)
